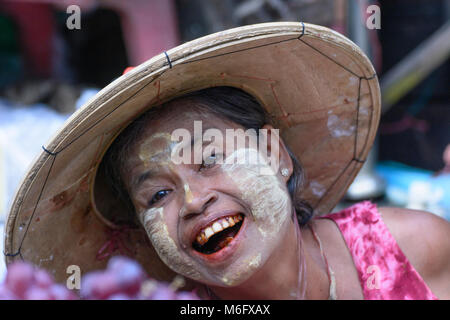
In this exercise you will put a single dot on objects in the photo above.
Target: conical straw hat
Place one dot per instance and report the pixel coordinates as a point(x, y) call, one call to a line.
point(318, 85)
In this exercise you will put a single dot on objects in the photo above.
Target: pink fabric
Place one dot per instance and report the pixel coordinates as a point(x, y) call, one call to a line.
point(383, 270)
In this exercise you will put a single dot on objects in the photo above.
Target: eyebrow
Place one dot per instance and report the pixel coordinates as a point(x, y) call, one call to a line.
point(148, 174)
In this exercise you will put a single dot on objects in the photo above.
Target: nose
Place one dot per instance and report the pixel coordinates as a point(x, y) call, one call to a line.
point(196, 202)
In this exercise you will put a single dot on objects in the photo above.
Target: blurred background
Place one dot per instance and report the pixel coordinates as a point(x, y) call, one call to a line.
point(54, 56)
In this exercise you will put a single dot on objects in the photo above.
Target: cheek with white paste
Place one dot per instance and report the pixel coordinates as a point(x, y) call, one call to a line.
point(266, 195)
point(158, 233)
point(270, 205)
point(166, 248)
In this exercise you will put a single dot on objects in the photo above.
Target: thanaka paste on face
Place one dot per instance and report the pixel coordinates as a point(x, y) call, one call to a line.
point(237, 276)
point(157, 149)
point(268, 200)
point(188, 193)
point(156, 228)
point(269, 204)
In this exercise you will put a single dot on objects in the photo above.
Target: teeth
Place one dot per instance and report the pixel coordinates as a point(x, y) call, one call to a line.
point(209, 232)
point(216, 227)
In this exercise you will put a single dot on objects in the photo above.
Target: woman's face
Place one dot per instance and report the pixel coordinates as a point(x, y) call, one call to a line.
point(213, 222)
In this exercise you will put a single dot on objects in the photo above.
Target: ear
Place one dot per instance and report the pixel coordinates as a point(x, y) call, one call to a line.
point(276, 151)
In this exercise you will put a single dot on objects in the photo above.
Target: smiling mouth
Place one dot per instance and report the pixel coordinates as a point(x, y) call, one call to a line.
point(218, 234)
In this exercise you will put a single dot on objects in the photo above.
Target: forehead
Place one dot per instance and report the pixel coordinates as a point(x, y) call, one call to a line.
point(184, 114)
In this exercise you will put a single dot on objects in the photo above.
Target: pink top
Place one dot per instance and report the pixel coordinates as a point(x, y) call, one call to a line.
point(383, 270)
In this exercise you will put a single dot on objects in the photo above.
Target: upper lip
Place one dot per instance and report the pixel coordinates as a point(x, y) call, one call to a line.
point(207, 220)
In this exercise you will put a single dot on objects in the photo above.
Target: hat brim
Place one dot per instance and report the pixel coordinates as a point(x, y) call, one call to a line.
point(319, 87)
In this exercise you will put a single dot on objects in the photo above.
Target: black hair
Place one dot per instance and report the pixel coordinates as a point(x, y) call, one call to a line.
point(226, 102)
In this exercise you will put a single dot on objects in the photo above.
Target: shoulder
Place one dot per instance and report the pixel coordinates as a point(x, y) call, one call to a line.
point(425, 240)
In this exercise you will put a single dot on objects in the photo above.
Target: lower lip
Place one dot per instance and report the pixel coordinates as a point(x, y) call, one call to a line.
point(227, 251)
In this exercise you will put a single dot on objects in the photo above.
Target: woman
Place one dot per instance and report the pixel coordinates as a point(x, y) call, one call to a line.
point(262, 253)
point(221, 214)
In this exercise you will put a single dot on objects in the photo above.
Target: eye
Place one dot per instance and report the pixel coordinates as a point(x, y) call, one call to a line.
point(158, 196)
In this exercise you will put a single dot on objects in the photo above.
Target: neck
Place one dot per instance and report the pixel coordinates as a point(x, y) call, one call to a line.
point(279, 279)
